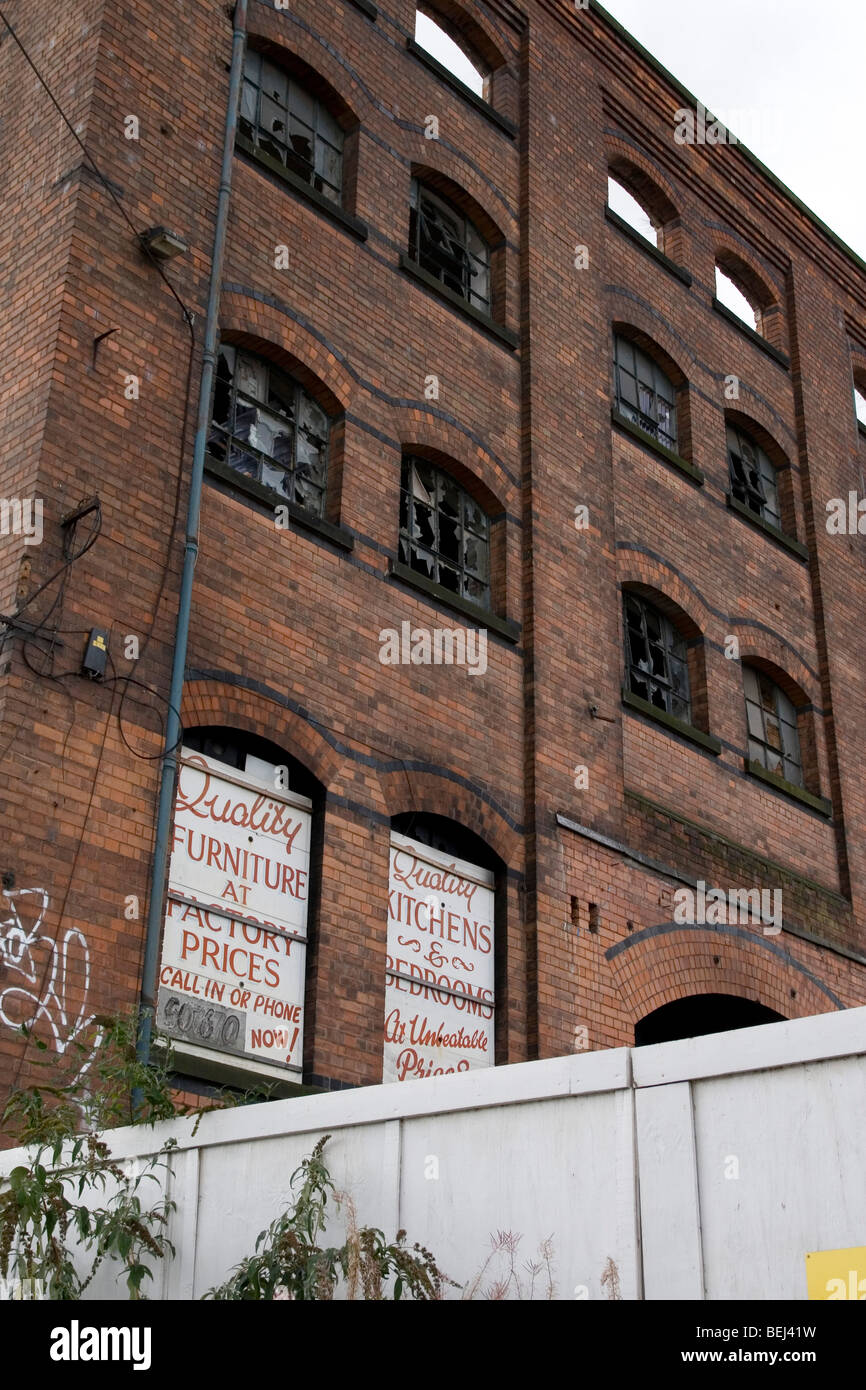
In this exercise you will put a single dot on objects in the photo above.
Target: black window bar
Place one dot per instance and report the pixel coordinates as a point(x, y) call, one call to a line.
point(444, 533)
point(656, 659)
point(265, 426)
point(447, 245)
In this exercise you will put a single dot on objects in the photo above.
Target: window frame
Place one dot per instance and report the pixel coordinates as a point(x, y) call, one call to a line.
point(649, 423)
point(760, 749)
point(409, 543)
point(674, 647)
point(766, 475)
point(432, 265)
point(301, 399)
point(252, 129)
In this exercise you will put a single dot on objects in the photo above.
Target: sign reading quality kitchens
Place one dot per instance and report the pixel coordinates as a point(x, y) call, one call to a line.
point(234, 948)
point(439, 983)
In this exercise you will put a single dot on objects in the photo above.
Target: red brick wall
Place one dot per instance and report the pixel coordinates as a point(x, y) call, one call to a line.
point(285, 624)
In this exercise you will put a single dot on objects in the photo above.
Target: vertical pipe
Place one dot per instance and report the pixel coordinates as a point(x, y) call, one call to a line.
point(173, 724)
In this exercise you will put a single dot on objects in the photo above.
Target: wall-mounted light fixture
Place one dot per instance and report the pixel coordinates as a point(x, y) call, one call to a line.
point(164, 244)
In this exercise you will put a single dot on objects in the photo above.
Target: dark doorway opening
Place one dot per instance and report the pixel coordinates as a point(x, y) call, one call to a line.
point(700, 1014)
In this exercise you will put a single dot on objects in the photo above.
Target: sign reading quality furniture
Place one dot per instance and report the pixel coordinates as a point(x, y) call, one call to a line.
point(234, 948)
point(439, 990)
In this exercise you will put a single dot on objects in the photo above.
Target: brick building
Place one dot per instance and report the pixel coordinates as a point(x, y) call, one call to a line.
point(457, 400)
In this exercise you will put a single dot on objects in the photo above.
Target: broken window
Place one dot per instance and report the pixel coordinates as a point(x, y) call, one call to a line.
point(753, 477)
point(656, 659)
point(444, 533)
point(772, 727)
point(644, 394)
point(444, 242)
point(283, 120)
point(266, 427)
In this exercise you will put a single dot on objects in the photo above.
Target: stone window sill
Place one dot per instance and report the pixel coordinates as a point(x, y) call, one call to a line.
point(302, 189)
point(482, 617)
point(508, 127)
point(752, 335)
point(628, 426)
point(659, 256)
point(251, 487)
point(668, 721)
point(788, 542)
point(779, 784)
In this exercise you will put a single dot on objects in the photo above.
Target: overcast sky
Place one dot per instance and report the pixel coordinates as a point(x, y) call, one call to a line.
point(787, 76)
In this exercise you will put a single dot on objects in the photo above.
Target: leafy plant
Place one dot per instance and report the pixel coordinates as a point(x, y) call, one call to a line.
point(290, 1263)
point(53, 1235)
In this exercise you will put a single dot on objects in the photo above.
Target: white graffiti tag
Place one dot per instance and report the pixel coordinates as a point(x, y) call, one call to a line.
point(45, 974)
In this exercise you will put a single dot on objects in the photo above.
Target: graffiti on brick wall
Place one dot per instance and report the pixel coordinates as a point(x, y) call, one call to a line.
point(42, 980)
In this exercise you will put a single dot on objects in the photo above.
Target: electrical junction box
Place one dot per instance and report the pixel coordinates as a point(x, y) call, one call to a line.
point(95, 654)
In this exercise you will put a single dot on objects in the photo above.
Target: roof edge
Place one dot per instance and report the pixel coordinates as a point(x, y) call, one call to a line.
point(693, 101)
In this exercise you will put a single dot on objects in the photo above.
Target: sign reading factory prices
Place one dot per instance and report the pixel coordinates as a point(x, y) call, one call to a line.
point(439, 988)
point(234, 948)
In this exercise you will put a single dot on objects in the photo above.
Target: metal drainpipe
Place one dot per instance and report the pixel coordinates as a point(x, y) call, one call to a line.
point(173, 725)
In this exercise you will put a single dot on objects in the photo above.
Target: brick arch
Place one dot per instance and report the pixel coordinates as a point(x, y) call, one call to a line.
point(749, 275)
point(250, 322)
point(410, 788)
point(656, 340)
point(654, 580)
point(784, 666)
point(221, 702)
point(631, 167)
point(755, 281)
point(759, 423)
point(289, 43)
point(443, 172)
point(442, 440)
point(667, 962)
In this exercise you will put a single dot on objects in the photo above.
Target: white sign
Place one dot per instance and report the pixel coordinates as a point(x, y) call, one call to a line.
point(439, 981)
point(234, 947)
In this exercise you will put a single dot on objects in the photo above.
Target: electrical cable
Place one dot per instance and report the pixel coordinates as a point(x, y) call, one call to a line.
point(69, 560)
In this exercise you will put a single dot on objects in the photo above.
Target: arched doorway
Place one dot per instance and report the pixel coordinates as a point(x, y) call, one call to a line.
point(699, 1014)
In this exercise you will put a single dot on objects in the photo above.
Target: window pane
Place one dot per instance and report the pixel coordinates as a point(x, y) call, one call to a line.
point(251, 377)
point(274, 83)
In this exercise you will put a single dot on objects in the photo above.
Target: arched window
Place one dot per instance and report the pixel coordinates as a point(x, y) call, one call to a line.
point(656, 658)
point(233, 969)
point(444, 532)
point(446, 243)
point(283, 120)
point(265, 426)
point(729, 294)
point(753, 477)
point(453, 56)
point(440, 963)
point(860, 403)
point(626, 206)
point(774, 740)
point(644, 394)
